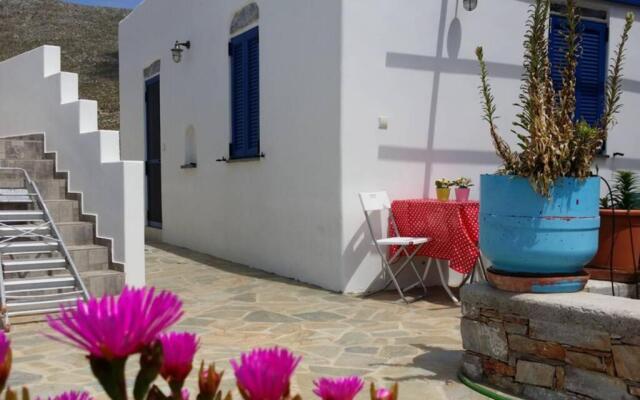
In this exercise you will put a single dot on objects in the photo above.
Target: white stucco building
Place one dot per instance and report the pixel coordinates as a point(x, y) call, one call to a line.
point(317, 89)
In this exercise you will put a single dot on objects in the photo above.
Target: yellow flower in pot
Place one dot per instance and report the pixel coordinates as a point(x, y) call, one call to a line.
point(443, 189)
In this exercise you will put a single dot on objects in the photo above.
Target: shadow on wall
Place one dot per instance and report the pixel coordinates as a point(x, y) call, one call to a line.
point(360, 244)
point(451, 64)
point(440, 64)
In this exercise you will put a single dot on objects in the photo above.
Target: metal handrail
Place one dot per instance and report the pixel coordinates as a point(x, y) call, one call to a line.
point(48, 219)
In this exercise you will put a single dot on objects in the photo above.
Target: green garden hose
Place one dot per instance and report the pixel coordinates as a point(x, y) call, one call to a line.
point(483, 390)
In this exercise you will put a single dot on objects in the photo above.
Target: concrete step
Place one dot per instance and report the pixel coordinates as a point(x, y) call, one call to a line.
point(21, 149)
point(90, 257)
point(7, 231)
point(41, 306)
point(76, 232)
point(28, 136)
point(8, 216)
point(99, 283)
point(64, 210)
point(38, 285)
point(16, 196)
point(34, 265)
point(53, 189)
point(37, 169)
point(28, 247)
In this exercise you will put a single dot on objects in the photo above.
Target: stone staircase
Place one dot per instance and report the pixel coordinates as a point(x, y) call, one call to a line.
point(91, 254)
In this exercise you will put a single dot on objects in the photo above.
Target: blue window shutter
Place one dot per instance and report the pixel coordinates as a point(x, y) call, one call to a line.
point(245, 95)
point(630, 2)
point(557, 49)
point(253, 94)
point(592, 63)
point(591, 72)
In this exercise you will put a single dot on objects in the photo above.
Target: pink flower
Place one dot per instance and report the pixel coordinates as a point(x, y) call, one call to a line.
point(4, 347)
point(384, 394)
point(184, 394)
point(178, 350)
point(338, 388)
point(72, 396)
point(115, 327)
point(265, 374)
point(5, 359)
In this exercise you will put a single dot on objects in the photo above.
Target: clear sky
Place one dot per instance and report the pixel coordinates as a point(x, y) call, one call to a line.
point(108, 3)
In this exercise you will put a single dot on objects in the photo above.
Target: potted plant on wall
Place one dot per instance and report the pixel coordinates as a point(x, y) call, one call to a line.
point(619, 214)
point(443, 189)
point(463, 188)
point(539, 214)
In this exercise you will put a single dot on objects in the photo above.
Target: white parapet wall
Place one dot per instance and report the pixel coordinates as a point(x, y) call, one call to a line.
point(36, 97)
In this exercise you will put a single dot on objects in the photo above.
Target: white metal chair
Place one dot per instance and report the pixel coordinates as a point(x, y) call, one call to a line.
point(379, 201)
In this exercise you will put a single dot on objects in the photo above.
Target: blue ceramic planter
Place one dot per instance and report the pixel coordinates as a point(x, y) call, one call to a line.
point(523, 233)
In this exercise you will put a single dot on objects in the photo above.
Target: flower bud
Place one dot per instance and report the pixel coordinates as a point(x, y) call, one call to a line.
point(208, 382)
point(383, 393)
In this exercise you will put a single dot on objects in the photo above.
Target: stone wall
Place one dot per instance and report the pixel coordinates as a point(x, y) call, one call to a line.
point(553, 346)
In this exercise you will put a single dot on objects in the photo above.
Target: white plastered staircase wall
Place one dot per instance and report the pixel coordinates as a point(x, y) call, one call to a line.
point(36, 97)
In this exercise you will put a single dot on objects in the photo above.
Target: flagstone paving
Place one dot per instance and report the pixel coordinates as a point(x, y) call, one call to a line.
point(234, 308)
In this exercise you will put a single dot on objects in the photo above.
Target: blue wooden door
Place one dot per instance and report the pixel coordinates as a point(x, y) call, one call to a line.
point(153, 157)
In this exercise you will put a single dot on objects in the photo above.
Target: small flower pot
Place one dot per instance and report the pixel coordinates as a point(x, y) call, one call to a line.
point(443, 193)
point(462, 194)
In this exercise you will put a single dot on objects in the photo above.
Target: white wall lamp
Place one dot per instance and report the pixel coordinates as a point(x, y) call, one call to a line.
point(470, 5)
point(178, 48)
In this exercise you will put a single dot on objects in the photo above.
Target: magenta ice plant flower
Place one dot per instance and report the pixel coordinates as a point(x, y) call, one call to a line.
point(114, 327)
point(178, 350)
point(5, 359)
point(71, 396)
point(265, 374)
point(338, 388)
point(5, 347)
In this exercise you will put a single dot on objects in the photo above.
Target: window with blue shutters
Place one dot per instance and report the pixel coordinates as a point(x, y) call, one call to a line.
point(630, 2)
point(245, 95)
point(591, 72)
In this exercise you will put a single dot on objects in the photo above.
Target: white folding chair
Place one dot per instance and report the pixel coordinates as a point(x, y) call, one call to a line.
point(379, 201)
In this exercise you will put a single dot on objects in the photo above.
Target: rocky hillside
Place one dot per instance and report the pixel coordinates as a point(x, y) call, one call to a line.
point(88, 37)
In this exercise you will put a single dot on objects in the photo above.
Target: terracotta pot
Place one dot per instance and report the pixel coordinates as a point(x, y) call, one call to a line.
point(443, 193)
point(626, 248)
point(462, 194)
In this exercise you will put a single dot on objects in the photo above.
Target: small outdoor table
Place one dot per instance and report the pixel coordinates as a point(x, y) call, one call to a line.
point(451, 225)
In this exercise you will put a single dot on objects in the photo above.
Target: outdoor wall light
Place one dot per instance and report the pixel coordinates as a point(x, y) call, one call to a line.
point(176, 51)
point(470, 5)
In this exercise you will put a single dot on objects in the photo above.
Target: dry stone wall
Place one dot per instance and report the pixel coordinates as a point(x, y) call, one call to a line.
point(554, 346)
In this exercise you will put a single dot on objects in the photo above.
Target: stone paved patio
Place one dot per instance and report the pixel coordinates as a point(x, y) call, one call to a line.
point(234, 308)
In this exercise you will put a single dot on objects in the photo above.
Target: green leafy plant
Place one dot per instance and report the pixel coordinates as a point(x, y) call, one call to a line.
point(443, 183)
point(552, 143)
point(463, 183)
point(626, 192)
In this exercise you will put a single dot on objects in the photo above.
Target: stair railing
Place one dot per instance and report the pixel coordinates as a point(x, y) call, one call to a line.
point(32, 188)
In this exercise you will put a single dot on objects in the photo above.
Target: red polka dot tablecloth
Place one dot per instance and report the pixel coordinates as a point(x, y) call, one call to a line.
point(451, 225)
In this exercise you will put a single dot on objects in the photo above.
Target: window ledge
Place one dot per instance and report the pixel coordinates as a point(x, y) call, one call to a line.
point(189, 166)
point(232, 160)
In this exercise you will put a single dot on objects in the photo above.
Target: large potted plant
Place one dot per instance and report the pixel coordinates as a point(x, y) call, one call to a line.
point(539, 214)
point(619, 214)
